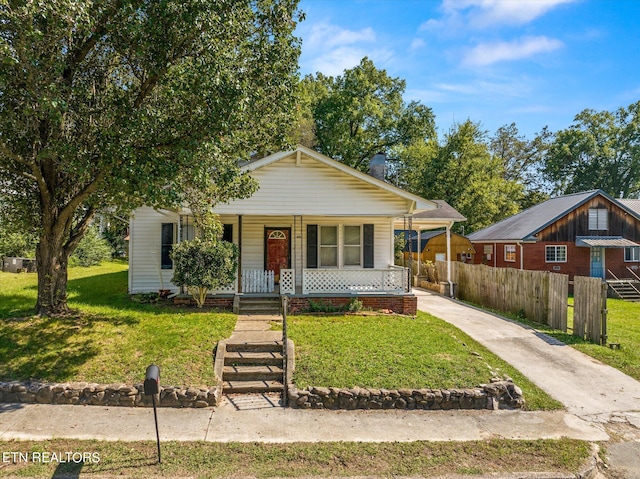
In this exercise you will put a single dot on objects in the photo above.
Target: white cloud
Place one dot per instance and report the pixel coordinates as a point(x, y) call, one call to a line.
point(417, 44)
point(324, 35)
point(490, 53)
point(331, 49)
point(488, 13)
point(334, 62)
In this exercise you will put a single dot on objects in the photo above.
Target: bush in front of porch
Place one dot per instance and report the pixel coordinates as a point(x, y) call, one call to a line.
point(394, 352)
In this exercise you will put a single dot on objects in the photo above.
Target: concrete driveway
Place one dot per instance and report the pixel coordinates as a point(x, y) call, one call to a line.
point(588, 388)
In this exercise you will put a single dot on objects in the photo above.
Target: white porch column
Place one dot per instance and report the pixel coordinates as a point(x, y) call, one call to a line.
point(418, 247)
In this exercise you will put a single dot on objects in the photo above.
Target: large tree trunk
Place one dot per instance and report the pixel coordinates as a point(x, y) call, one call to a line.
point(52, 261)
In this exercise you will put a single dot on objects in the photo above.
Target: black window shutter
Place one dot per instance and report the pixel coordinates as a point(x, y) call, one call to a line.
point(312, 246)
point(167, 246)
point(367, 253)
point(227, 233)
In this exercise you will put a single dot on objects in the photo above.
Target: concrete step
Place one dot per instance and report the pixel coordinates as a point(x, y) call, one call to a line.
point(252, 373)
point(255, 305)
point(257, 347)
point(248, 387)
point(268, 358)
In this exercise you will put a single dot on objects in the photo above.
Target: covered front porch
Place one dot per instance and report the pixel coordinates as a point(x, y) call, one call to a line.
point(306, 255)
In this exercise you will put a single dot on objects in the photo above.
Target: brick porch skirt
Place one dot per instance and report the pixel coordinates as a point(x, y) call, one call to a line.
point(400, 304)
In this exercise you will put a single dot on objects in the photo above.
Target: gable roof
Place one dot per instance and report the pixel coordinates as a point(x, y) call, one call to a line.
point(444, 210)
point(420, 204)
point(524, 225)
point(633, 205)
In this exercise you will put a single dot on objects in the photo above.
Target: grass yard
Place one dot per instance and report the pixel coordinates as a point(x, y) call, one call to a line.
point(344, 459)
point(114, 338)
point(397, 352)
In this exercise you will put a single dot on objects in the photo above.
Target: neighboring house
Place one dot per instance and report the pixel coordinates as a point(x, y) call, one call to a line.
point(314, 227)
point(584, 234)
point(433, 247)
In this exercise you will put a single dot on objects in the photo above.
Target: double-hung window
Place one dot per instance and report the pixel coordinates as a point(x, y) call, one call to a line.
point(510, 253)
point(598, 219)
point(352, 246)
point(328, 246)
point(632, 253)
point(556, 254)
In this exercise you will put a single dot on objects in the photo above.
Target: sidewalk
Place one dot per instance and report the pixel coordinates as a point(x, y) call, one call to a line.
point(265, 423)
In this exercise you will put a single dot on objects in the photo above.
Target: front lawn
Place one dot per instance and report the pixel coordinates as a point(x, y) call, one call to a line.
point(397, 352)
point(114, 338)
point(325, 459)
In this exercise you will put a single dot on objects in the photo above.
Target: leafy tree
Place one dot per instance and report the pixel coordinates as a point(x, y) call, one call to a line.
point(202, 265)
point(114, 104)
point(521, 161)
point(462, 172)
point(92, 250)
point(599, 150)
point(361, 113)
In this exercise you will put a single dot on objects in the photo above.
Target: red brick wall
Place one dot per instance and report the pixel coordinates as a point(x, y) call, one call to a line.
point(405, 304)
point(224, 303)
point(578, 259)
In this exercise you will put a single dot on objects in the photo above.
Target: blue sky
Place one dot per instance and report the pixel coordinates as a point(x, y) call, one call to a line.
point(532, 62)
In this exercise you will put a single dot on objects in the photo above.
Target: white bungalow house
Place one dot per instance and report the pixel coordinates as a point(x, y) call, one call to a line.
point(315, 227)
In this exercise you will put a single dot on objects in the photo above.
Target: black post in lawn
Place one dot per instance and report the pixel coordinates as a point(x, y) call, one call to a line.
point(151, 388)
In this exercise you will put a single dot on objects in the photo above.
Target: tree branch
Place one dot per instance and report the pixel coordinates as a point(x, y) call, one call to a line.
point(79, 54)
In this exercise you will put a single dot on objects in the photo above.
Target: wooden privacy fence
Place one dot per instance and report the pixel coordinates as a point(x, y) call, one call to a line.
point(539, 295)
point(590, 309)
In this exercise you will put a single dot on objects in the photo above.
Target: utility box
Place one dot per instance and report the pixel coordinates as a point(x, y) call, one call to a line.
point(18, 265)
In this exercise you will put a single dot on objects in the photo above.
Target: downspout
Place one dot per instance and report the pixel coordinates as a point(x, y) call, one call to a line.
point(451, 293)
point(495, 254)
point(239, 288)
point(521, 254)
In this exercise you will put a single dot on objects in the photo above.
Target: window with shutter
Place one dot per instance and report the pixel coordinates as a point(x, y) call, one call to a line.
point(166, 246)
point(312, 246)
point(368, 246)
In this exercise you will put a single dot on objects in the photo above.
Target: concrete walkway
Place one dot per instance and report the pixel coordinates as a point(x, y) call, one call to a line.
point(588, 388)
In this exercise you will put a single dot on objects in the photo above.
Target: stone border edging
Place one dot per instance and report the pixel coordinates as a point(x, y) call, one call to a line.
point(105, 395)
point(499, 394)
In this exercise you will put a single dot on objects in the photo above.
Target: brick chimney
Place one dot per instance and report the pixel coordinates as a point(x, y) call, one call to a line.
point(378, 166)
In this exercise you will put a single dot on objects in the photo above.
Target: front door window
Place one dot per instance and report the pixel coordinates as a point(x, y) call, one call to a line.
point(597, 262)
point(278, 250)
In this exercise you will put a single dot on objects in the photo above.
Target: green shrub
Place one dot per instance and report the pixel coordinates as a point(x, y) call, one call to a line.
point(92, 250)
point(202, 265)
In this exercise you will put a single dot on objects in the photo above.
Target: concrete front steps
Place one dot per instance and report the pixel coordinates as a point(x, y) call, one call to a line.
point(247, 304)
point(253, 367)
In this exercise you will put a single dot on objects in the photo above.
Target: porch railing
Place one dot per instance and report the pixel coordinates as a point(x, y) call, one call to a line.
point(257, 281)
point(287, 281)
point(392, 280)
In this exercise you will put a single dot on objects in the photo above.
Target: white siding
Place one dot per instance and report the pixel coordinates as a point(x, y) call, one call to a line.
point(314, 188)
point(145, 233)
point(145, 227)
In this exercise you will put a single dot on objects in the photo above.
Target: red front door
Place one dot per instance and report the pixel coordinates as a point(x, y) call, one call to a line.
point(278, 249)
